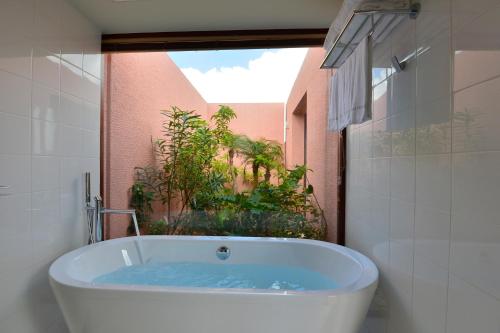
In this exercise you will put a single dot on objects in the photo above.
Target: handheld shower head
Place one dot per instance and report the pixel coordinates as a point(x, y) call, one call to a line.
point(87, 188)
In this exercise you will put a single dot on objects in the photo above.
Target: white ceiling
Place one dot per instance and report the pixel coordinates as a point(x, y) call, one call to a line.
point(119, 16)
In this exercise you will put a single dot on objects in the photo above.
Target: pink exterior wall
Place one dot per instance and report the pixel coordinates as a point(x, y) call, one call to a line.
point(256, 120)
point(308, 98)
point(139, 86)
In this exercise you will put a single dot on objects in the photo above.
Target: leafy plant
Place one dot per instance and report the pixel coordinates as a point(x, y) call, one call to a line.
point(259, 154)
point(195, 179)
point(141, 200)
point(157, 227)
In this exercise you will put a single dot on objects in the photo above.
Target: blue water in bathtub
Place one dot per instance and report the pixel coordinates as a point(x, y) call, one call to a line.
point(196, 274)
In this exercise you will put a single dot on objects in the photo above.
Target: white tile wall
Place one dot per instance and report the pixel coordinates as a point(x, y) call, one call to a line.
point(49, 136)
point(433, 155)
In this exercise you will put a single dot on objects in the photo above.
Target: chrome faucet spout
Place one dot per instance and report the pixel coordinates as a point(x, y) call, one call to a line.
point(117, 211)
point(99, 212)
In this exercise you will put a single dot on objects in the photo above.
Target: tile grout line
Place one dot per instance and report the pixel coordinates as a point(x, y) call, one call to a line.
point(450, 158)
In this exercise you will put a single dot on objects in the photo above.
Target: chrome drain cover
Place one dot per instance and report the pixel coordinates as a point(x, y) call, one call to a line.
point(223, 252)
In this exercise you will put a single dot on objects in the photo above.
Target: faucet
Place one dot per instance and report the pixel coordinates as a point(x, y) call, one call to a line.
point(99, 212)
point(95, 214)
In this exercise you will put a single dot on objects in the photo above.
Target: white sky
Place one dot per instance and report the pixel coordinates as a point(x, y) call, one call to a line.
point(267, 78)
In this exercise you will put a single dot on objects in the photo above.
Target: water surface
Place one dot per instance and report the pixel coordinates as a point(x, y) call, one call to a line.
point(197, 274)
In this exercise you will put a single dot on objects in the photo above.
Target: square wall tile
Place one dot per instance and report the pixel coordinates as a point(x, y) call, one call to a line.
point(15, 135)
point(434, 68)
point(90, 140)
point(92, 60)
point(16, 173)
point(71, 175)
point(466, 11)
point(71, 79)
point(91, 116)
point(382, 138)
point(45, 103)
point(16, 18)
point(15, 94)
point(470, 310)
point(476, 185)
point(73, 38)
point(403, 178)
point(352, 143)
point(91, 89)
point(404, 88)
point(15, 57)
point(434, 18)
point(432, 235)
point(365, 140)
point(15, 299)
point(475, 245)
point(44, 173)
point(381, 176)
point(403, 133)
point(433, 126)
point(476, 49)
point(433, 181)
point(476, 117)
point(45, 217)
point(46, 67)
point(72, 143)
point(402, 221)
point(430, 289)
point(71, 110)
point(400, 287)
point(48, 25)
point(380, 215)
point(45, 137)
point(403, 39)
point(15, 236)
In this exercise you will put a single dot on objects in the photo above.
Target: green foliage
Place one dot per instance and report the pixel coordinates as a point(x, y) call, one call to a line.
point(259, 154)
point(196, 176)
point(141, 200)
point(157, 227)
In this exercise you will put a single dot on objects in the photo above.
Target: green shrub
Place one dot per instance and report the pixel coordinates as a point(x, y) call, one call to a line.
point(157, 227)
point(195, 179)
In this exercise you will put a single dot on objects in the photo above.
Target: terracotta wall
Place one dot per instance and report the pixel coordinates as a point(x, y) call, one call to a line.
point(307, 105)
point(139, 86)
point(256, 120)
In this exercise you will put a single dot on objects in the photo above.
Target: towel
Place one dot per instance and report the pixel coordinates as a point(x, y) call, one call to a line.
point(350, 95)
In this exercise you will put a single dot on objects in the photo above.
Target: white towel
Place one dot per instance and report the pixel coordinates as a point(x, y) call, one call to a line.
point(350, 96)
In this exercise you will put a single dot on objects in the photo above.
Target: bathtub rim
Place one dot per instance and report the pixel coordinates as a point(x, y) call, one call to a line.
point(368, 276)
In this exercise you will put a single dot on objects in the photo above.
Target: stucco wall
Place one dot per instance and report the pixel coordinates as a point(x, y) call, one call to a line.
point(256, 120)
point(308, 98)
point(139, 86)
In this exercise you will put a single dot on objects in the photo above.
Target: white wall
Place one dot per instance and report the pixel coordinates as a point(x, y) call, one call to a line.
point(423, 195)
point(49, 135)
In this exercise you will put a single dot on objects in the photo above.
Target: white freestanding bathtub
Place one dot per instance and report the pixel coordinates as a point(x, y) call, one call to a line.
point(90, 307)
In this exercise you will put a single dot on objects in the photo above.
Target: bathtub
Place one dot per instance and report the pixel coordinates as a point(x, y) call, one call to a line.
point(89, 307)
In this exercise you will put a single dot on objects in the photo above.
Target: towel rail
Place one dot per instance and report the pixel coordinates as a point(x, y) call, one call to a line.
point(355, 29)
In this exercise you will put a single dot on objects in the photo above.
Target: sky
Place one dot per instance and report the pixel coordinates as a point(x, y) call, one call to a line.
point(242, 76)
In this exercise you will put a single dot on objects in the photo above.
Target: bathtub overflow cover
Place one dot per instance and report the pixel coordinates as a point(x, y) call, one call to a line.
point(223, 252)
